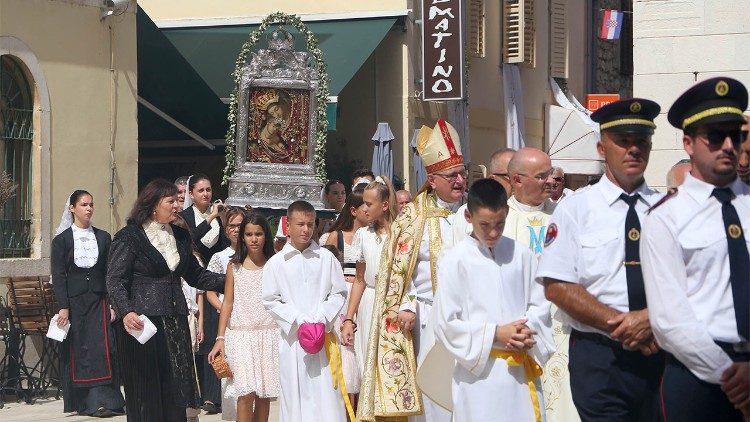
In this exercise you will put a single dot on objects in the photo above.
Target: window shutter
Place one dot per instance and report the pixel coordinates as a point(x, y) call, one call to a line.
point(518, 26)
point(558, 60)
point(476, 28)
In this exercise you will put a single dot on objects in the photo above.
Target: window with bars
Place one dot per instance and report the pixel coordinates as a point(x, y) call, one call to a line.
point(16, 138)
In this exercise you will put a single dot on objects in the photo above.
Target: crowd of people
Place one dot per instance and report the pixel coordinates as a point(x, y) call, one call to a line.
point(514, 298)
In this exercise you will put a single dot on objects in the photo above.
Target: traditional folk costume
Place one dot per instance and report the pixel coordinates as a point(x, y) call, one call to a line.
point(306, 287)
point(89, 370)
point(528, 224)
point(407, 280)
point(480, 289)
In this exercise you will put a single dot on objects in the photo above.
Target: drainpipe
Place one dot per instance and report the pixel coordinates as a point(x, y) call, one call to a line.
point(112, 164)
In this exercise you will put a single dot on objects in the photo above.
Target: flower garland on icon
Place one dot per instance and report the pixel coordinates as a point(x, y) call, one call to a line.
point(280, 18)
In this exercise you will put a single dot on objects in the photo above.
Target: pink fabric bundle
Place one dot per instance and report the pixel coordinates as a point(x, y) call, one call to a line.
point(311, 336)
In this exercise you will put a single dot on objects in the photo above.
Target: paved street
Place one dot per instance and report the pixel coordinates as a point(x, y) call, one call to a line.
point(52, 410)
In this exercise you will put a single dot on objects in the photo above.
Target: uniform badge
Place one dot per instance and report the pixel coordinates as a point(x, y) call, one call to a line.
point(551, 234)
point(722, 88)
point(734, 231)
point(634, 234)
point(635, 107)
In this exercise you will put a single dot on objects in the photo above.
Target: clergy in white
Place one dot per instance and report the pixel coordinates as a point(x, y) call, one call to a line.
point(304, 283)
point(487, 288)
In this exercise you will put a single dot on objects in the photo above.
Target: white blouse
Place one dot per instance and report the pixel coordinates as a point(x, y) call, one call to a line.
point(368, 247)
point(210, 238)
point(162, 238)
point(85, 248)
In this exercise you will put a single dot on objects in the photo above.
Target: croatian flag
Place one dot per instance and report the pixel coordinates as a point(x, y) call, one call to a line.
point(611, 25)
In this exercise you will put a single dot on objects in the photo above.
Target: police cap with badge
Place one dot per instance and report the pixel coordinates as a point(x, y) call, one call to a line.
point(634, 115)
point(715, 100)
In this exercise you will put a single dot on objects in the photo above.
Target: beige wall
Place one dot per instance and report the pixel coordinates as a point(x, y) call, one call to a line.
point(486, 106)
point(671, 41)
point(178, 10)
point(87, 107)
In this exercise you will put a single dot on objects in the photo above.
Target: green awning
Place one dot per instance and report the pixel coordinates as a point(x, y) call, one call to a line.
point(212, 51)
point(169, 82)
point(186, 72)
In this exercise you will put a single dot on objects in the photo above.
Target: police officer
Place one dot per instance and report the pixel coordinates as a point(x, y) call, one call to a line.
point(695, 262)
point(591, 270)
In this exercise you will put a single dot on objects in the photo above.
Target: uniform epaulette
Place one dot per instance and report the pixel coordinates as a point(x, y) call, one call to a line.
point(670, 193)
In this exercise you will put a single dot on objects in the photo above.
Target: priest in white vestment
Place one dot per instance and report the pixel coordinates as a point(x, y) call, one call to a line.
point(304, 283)
point(529, 214)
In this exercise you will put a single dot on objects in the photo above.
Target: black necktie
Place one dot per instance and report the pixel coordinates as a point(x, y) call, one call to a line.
point(633, 274)
point(739, 261)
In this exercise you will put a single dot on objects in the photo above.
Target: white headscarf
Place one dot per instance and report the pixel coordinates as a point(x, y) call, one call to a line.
point(188, 200)
point(66, 220)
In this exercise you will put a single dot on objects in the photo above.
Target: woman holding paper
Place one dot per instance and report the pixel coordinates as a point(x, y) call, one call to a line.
point(146, 261)
point(90, 382)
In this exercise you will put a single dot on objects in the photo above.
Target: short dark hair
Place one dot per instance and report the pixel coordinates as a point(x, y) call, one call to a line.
point(300, 206)
point(486, 193)
point(258, 220)
point(362, 172)
point(197, 177)
point(149, 198)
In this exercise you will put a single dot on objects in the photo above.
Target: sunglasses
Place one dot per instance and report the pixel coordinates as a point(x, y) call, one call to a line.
point(716, 137)
point(744, 135)
point(558, 179)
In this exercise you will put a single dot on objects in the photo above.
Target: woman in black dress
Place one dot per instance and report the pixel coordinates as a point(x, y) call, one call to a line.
point(201, 217)
point(146, 261)
point(89, 372)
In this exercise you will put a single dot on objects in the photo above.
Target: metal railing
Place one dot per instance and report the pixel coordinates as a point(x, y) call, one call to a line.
point(15, 238)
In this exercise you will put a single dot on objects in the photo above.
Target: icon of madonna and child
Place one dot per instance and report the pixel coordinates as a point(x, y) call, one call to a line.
point(278, 126)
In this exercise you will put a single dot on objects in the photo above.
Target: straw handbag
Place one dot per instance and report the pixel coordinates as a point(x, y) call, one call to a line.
point(221, 367)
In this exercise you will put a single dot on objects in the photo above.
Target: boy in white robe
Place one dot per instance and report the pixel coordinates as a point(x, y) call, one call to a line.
point(304, 283)
point(492, 317)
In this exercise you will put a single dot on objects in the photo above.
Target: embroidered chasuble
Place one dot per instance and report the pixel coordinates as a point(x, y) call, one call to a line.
point(389, 390)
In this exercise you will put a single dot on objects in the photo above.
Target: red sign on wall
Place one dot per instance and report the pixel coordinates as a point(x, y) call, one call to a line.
point(596, 101)
point(442, 50)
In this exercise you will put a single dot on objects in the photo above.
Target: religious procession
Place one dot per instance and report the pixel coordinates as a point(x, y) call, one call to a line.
point(497, 250)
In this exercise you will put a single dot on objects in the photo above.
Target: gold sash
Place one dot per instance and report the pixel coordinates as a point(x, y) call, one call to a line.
point(389, 389)
point(530, 368)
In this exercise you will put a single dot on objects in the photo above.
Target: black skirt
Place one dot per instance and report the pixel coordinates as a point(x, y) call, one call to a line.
point(89, 371)
point(159, 376)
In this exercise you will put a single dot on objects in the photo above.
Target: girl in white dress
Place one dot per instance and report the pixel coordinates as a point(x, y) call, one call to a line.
point(381, 207)
point(248, 336)
point(340, 235)
point(231, 220)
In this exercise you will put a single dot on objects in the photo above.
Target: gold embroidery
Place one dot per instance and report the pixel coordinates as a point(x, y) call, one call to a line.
point(635, 107)
point(389, 386)
point(620, 122)
point(710, 112)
